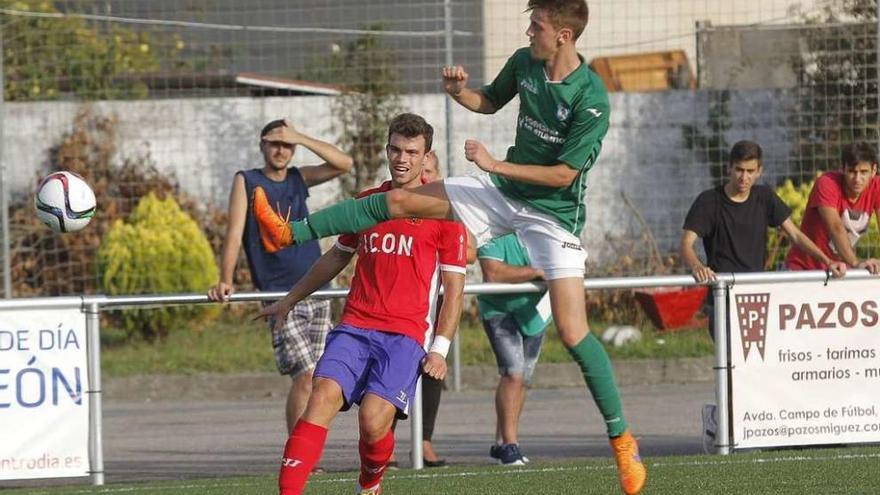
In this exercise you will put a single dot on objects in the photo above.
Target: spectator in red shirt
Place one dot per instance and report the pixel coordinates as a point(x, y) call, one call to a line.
point(839, 211)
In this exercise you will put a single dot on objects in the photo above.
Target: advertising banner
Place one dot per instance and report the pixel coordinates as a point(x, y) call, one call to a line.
point(44, 407)
point(805, 363)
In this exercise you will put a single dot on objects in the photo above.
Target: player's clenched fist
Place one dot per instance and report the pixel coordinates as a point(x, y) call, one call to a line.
point(454, 79)
point(476, 152)
point(434, 365)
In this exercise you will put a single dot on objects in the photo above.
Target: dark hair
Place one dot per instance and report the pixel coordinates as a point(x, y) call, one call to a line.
point(853, 154)
point(572, 14)
point(410, 125)
point(744, 151)
point(272, 125)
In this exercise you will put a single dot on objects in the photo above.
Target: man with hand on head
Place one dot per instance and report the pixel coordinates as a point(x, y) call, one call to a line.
point(298, 339)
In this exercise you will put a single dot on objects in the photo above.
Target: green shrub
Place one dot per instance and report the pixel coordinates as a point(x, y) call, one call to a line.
point(796, 197)
point(159, 250)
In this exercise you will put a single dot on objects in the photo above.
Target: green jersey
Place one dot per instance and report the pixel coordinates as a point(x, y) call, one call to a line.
point(523, 307)
point(558, 122)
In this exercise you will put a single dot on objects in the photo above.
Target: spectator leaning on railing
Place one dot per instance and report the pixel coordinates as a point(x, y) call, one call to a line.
point(298, 343)
point(839, 211)
point(732, 220)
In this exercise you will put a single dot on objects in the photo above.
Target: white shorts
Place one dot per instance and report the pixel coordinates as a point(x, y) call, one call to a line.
point(487, 213)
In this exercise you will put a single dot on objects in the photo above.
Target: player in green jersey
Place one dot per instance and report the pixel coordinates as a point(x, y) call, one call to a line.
point(537, 191)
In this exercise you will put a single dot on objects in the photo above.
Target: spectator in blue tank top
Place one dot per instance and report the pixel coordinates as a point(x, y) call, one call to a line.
point(299, 343)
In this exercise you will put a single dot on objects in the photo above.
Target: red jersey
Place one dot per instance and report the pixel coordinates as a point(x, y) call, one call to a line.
point(396, 278)
point(829, 191)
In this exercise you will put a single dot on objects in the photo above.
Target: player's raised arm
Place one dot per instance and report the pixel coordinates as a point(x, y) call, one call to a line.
point(455, 84)
point(559, 175)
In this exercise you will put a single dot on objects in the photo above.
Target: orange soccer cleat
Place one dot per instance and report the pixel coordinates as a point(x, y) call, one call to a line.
point(629, 464)
point(275, 232)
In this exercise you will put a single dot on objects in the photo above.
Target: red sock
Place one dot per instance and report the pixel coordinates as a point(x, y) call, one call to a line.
point(301, 453)
point(374, 459)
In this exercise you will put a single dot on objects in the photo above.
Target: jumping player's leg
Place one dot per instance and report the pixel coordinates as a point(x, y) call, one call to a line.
point(427, 201)
point(559, 253)
point(306, 442)
point(569, 313)
point(376, 445)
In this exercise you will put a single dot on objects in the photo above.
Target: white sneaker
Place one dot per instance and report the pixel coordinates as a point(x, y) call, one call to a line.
point(710, 428)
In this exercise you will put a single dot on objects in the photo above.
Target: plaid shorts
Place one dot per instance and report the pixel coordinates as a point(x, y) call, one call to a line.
point(300, 343)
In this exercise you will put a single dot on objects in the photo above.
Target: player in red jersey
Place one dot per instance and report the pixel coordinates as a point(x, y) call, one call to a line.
point(372, 357)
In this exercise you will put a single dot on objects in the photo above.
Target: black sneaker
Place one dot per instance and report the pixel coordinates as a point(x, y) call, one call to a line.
point(509, 455)
point(495, 451)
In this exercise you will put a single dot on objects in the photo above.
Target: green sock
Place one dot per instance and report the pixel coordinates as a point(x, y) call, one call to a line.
point(596, 367)
point(349, 216)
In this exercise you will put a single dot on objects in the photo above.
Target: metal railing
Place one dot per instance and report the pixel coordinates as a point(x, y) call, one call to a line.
point(93, 305)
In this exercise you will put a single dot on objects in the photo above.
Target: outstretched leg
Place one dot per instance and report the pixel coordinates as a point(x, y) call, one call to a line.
point(569, 313)
point(427, 201)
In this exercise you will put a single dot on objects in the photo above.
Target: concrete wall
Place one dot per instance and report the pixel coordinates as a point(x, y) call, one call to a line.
point(204, 141)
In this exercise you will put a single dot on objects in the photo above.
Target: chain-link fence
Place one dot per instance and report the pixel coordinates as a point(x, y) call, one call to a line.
point(170, 96)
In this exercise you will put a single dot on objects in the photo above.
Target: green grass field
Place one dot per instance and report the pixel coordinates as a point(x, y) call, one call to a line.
point(821, 471)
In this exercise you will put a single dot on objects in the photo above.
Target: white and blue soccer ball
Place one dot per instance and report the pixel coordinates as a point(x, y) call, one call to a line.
point(618, 335)
point(65, 202)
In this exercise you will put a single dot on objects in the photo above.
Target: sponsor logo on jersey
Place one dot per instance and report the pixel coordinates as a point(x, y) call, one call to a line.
point(571, 245)
point(596, 113)
point(562, 112)
point(401, 397)
point(540, 130)
point(388, 243)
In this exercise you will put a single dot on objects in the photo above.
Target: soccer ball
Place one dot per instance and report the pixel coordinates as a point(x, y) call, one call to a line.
point(64, 202)
point(618, 335)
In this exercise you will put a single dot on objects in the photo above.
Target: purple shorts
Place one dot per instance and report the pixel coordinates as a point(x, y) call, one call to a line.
point(369, 361)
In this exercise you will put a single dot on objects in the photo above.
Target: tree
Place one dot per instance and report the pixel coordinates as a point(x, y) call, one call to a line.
point(45, 57)
point(837, 101)
point(367, 71)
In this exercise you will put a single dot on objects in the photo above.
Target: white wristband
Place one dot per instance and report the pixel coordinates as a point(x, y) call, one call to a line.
point(440, 345)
